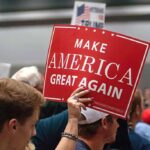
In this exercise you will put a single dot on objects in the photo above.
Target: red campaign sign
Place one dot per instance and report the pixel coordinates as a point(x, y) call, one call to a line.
point(109, 64)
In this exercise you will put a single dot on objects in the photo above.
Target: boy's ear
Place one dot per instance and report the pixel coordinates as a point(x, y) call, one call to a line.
point(12, 125)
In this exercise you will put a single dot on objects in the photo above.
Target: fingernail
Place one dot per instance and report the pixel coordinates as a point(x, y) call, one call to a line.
point(87, 90)
point(89, 104)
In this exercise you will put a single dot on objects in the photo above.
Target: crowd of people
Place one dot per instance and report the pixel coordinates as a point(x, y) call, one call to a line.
point(30, 122)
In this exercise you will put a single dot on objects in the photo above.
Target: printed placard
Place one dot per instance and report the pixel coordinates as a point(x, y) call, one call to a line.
point(4, 69)
point(89, 14)
point(109, 64)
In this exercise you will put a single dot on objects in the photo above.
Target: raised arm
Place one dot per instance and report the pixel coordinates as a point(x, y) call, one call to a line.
point(70, 134)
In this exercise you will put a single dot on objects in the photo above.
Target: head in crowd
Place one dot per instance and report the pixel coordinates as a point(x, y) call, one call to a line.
point(31, 76)
point(19, 111)
point(147, 93)
point(97, 127)
point(146, 116)
point(136, 108)
point(147, 97)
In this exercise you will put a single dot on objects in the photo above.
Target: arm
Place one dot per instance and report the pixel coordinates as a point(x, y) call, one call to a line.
point(66, 143)
point(75, 102)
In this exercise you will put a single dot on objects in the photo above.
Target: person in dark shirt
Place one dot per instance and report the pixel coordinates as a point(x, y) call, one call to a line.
point(48, 131)
point(96, 129)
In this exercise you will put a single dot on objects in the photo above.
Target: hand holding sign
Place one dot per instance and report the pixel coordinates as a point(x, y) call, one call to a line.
point(76, 101)
point(100, 60)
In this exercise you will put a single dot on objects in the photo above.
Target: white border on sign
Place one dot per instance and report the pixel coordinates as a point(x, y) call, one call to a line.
point(120, 36)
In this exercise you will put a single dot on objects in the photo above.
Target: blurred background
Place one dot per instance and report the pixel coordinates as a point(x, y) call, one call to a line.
point(25, 28)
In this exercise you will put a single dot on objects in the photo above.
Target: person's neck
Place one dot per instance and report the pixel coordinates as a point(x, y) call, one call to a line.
point(4, 142)
point(94, 143)
point(4, 145)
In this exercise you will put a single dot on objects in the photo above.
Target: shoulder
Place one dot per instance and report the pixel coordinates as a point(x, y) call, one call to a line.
point(143, 130)
point(138, 142)
point(48, 131)
point(61, 117)
point(80, 145)
point(142, 125)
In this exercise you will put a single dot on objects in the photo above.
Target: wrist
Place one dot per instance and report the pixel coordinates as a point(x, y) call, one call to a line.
point(73, 120)
point(69, 136)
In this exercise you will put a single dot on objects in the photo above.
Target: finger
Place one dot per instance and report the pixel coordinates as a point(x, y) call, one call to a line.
point(85, 100)
point(80, 105)
point(82, 93)
point(77, 90)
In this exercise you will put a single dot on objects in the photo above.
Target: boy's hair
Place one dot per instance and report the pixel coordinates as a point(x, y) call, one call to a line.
point(17, 100)
point(89, 130)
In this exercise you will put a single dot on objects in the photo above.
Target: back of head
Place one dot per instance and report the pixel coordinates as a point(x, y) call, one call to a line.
point(137, 104)
point(17, 100)
point(31, 76)
point(147, 93)
point(89, 122)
